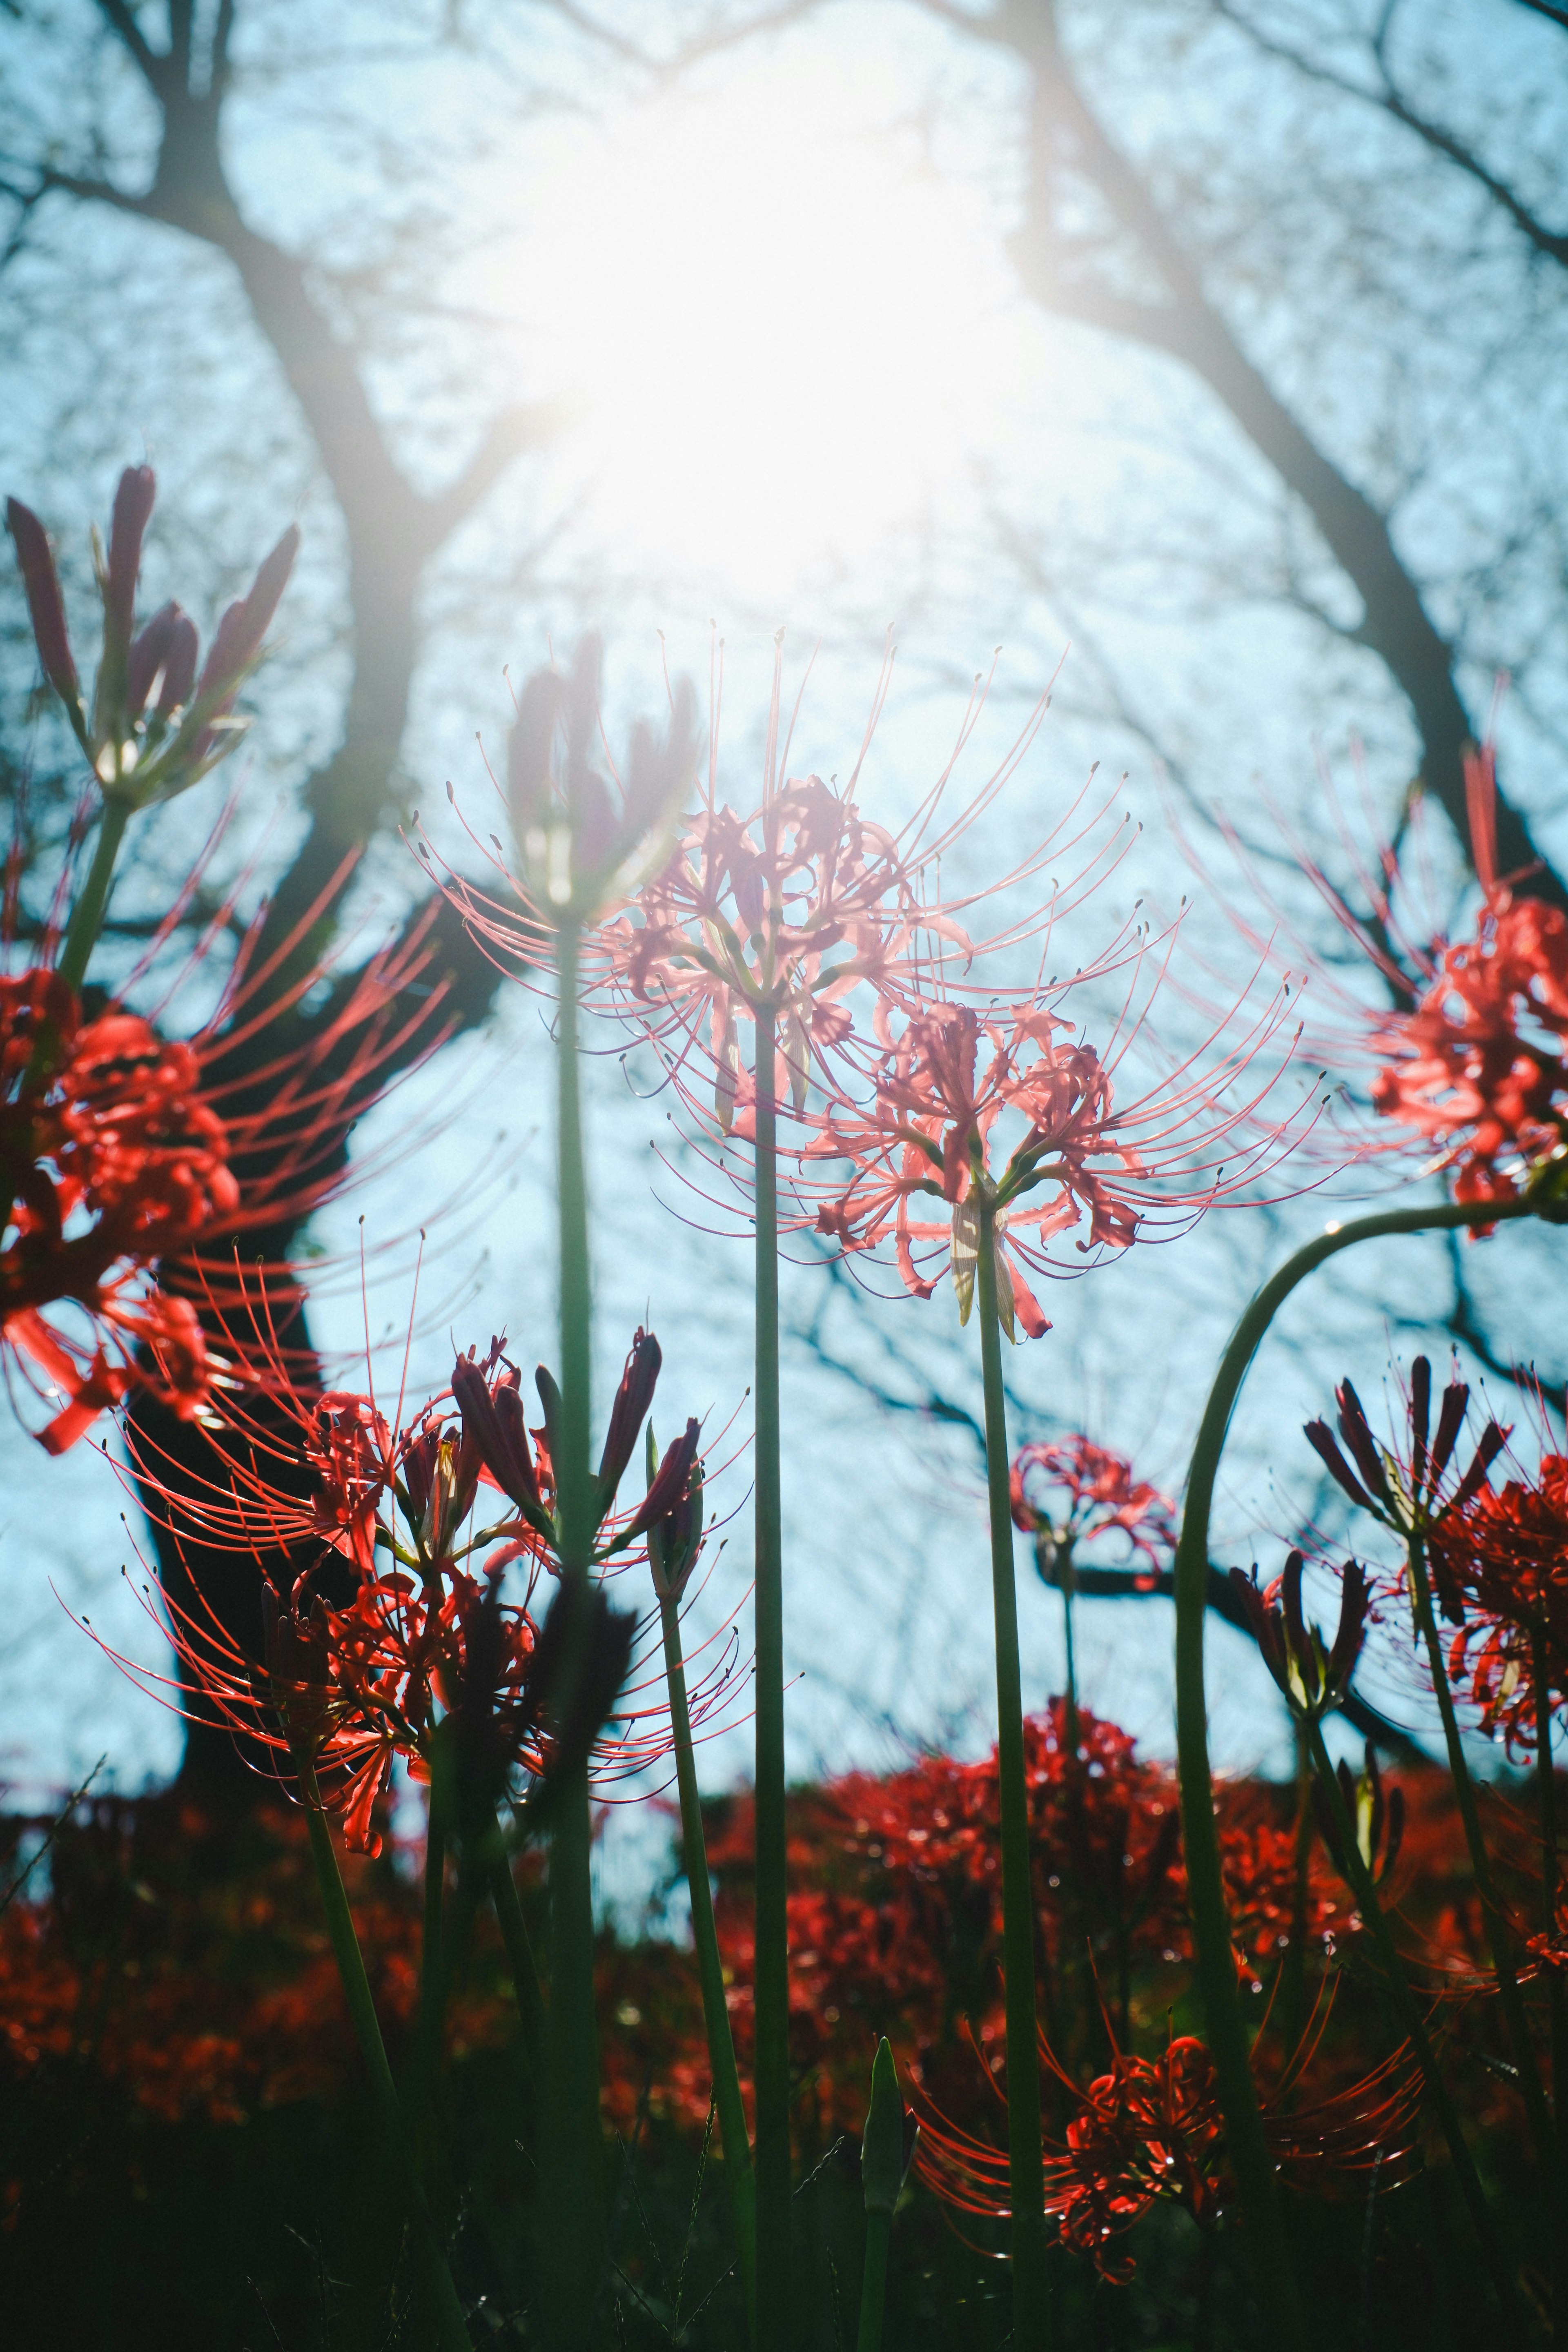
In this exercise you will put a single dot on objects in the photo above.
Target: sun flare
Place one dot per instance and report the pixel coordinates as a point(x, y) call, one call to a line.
point(784, 331)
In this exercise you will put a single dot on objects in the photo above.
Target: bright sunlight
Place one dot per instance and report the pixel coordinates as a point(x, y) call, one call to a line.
point(792, 334)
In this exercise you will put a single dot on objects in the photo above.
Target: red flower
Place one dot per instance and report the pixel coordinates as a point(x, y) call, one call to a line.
point(113, 1161)
point(428, 1636)
point(1100, 1494)
point(1152, 2129)
point(942, 1118)
point(1504, 1556)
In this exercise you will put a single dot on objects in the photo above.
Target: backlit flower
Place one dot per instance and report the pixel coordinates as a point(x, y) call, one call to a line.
point(1152, 2130)
point(1067, 1493)
point(112, 1160)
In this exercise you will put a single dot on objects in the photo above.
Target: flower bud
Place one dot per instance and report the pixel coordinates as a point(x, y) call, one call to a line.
point(45, 605)
point(627, 1415)
point(888, 2143)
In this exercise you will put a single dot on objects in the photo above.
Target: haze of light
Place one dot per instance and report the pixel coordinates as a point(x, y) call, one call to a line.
point(788, 336)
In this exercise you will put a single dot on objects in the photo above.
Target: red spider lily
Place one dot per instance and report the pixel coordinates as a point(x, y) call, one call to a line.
point(1313, 1674)
point(1100, 1494)
point(1152, 2130)
point(113, 1161)
point(1408, 1490)
point(938, 1123)
point(1470, 1061)
point(154, 727)
point(1504, 1556)
point(127, 1151)
point(1476, 1066)
point(427, 1637)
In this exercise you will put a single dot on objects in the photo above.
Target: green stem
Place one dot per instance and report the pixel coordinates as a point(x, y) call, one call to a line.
point(732, 2133)
point(1293, 2003)
point(1408, 2011)
point(575, 2186)
point(874, 2281)
point(1026, 2159)
point(1556, 2005)
point(1272, 2270)
point(87, 915)
point(1496, 1918)
point(1067, 1578)
point(430, 1965)
point(445, 2312)
point(772, 1966)
point(520, 1957)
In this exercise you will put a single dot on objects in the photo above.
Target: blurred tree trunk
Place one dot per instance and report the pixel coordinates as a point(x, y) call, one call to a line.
point(393, 532)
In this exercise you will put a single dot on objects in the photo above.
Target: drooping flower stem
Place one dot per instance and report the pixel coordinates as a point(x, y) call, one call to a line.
point(450, 2330)
point(732, 2131)
point(1273, 2273)
point(575, 2161)
point(1025, 2163)
point(1408, 2010)
point(1527, 2072)
point(772, 1972)
point(87, 915)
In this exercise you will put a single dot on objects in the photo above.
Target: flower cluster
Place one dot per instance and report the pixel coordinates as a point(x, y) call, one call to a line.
point(154, 727)
point(1067, 1493)
point(1502, 1558)
point(1152, 2130)
point(113, 1161)
point(428, 1658)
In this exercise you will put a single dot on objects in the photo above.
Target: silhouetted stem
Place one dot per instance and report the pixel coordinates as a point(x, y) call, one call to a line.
point(1273, 2274)
point(737, 2145)
point(446, 2314)
point(874, 2282)
point(1556, 2005)
point(1408, 2010)
point(772, 1966)
point(1025, 2163)
point(1497, 1939)
point(87, 915)
point(519, 1949)
point(576, 2158)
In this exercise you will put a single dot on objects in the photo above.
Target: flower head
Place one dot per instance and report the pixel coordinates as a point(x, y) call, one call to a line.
point(1152, 2130)
point(1068, 1493)
point(112, 1160)
point(154, 727)
point(974, 1109)
point(1313, 1674)
point(1408, 1490)
point(429, 1647)
point(1502, 1555)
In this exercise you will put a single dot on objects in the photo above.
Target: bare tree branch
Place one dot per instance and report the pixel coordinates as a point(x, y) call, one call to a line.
point(1388, 99)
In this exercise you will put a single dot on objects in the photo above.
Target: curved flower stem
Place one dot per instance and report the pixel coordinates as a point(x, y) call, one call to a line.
point(1497, 1939)
point(1026, 2159)
point(574, 2168)
point(1408, 2010)
point(772, 1966)
point(732, 2133)
point(445, 2312)
point(1249, 2157)
point(92, 900)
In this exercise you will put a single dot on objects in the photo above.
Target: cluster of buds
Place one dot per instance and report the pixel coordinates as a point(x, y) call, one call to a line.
point(580, 851)
point(1410, 1496)
point(495, 1426)
point(1376, 1819)
point(430, 1659)
point(153, 726)
point(1313, 1674)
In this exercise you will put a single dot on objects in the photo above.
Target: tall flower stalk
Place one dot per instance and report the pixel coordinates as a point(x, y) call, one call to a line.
point(1273, 2269)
